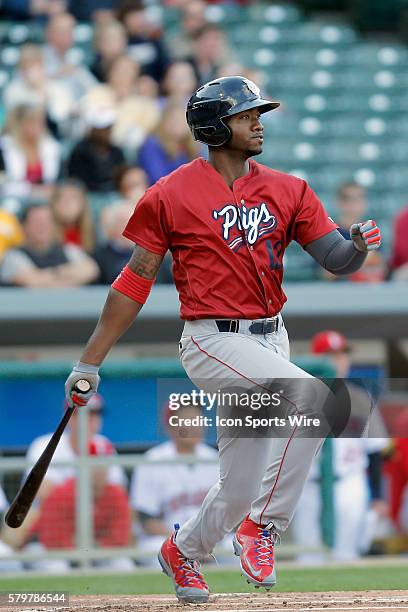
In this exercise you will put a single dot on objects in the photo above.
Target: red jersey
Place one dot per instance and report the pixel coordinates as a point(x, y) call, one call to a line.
point(227, 244)
point(56, 524)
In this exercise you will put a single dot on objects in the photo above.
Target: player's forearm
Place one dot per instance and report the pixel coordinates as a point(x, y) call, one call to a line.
point(118, 314)
point(344, 258)
point(335, 254)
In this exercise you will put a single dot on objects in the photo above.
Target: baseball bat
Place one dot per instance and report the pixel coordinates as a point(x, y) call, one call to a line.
point(22, 502)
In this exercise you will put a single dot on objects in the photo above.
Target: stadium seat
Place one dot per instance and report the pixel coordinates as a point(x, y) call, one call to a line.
point(298, 265)
point(276, 13)
point(227, 15)
point(377, 14)
point(9, 56)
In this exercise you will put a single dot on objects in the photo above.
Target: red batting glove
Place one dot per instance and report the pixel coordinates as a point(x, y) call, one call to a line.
point(79, 400)
point(366, 236)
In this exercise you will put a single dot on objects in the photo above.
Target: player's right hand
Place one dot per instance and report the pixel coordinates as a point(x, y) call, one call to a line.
point(82, 371)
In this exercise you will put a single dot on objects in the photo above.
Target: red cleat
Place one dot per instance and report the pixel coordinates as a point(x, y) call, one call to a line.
point(185, 573)
point(255, 545)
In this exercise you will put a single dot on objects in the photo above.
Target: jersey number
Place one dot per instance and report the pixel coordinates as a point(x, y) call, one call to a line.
point(275, 254)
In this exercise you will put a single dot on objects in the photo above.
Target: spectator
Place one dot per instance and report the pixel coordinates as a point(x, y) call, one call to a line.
point(166, 494)
point(170, 146)
point(56, 523)
point(58, 60)
point(144, 43)
point(112, 256)
point(131, 183)
point(94, 159)
point(178, 83)
point(88, 10)
point(72, 215)
point(136, 116)
point(358, 496)
point(193, 18)
point(11, 233)
point(42, 261)
point(110, 43)
point(29, 157)
point(31, 9)
point(231, 68)
point(399, 254)
point(209, 52)
point(32, 84)
point(352, 207)
point(5, 550)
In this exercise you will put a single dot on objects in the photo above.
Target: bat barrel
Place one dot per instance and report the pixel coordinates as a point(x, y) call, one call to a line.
point(22, 502)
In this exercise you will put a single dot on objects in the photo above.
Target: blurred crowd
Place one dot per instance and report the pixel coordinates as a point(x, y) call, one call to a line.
point(81, 141)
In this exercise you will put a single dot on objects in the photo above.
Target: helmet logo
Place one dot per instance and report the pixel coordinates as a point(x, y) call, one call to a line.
point(253, 88)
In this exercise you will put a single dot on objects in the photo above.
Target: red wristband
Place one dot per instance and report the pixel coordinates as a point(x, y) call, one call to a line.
point(132, 285)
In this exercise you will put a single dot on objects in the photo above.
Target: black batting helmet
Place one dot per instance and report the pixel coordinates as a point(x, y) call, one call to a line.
point(213, 102)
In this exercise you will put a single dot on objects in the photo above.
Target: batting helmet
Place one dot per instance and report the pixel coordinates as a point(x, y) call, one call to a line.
point(213, 102)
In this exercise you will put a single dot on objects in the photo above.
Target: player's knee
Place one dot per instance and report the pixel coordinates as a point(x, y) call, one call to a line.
point(237, 497)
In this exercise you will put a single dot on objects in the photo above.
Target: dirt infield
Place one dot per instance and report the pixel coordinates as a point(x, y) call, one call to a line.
point(367, 601)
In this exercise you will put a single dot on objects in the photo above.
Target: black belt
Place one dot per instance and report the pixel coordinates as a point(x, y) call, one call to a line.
point(268, 326)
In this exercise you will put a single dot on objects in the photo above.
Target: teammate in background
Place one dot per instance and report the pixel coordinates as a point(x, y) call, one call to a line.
point(166, 494)
point(356, 468)
point(396, 470)
point(227, 222)
point(56, 525)
point(67, 450)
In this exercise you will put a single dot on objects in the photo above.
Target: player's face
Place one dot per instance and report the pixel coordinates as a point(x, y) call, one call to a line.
point(247, 132)
point(341, 362)
point(186, 436)
point(94, 424)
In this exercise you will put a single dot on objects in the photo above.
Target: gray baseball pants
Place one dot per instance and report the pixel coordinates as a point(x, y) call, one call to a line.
point(262, 477)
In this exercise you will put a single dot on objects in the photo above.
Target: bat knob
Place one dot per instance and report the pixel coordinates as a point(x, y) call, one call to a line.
point(82, 386)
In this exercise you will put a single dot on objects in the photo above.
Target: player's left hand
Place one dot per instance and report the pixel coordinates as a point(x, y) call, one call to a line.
point(366, 236)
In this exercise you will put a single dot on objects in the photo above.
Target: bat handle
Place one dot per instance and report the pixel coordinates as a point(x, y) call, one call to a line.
point(80, 388)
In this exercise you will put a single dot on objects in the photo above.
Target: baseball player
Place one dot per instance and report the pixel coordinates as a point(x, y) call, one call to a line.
point(227, 222)
point(163, 495)
point(356, 464)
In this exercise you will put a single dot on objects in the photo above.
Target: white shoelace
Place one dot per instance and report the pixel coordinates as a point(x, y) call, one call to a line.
point(191, 569)
point(268, 537)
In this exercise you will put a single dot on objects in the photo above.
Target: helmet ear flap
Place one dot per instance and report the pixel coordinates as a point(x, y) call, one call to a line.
point(214, 135)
